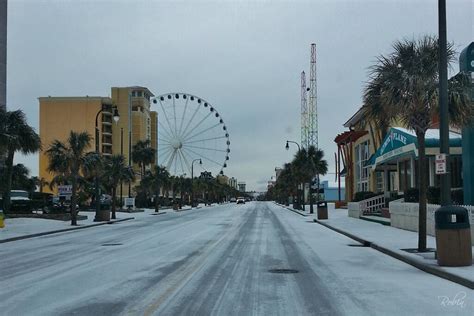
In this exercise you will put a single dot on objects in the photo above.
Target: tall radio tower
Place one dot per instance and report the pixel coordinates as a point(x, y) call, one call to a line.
point(304, 112)
point(312, 123)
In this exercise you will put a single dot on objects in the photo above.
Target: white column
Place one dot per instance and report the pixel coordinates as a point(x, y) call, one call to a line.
point(431, 171)
point(412, 172)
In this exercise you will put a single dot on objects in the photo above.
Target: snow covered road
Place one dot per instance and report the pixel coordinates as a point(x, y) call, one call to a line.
point(216, 261)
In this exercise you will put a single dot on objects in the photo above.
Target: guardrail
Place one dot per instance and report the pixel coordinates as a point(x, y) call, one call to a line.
point(372, 205)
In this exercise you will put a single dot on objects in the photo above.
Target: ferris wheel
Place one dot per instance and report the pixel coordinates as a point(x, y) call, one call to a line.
point(190, 128)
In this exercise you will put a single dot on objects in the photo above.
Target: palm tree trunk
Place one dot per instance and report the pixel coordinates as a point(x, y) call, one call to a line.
point(73, 202)
point(157, 196)
point(8, 187)
point(114, 193)
point(422, 191)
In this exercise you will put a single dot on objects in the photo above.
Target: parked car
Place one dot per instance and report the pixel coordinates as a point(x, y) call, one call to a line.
point(20, 201)
point(233, 200)
point(240, 200)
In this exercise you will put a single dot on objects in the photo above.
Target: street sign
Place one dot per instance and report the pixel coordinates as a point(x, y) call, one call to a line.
point(64, 190)
point(440, 164)
point(129, 202)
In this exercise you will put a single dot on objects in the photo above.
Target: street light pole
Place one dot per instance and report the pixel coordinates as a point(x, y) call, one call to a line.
point(192, 179)
point(121, 153)
point(116, 117)
point(299, 149)
point(443, 102)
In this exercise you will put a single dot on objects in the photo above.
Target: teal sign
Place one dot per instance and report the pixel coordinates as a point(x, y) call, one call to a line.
point(466, 59)
point(394, 140)
point(466, 63)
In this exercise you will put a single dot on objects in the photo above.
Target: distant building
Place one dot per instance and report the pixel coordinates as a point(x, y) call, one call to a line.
point(270, 184)
point(233, 183)
point(222, 179)
point(60, 115)
point(241, 186)
point(278, 172)
point(331, 191)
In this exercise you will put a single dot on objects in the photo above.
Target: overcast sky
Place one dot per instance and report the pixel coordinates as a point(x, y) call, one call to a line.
point(245, 57)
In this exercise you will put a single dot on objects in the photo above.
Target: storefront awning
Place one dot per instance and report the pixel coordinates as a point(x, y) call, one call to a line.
point(403, 142)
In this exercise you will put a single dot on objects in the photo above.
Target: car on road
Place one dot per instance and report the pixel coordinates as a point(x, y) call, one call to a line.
point(233, 200)
point(240, 200)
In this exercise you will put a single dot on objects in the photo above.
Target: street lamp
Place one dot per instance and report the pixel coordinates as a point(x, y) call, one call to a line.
point(192, 179)
point(116, 118)
point(287, 147)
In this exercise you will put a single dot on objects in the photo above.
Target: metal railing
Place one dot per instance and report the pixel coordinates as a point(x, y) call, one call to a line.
point(372, 205)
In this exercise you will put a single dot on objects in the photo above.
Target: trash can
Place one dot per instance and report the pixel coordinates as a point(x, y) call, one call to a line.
point(322, 209)
point(453, 236)
point(103, 214)
point(2, 220)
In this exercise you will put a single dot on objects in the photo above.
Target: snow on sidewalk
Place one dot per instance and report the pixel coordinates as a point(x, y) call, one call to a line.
point(391, 238)
point(17, 227)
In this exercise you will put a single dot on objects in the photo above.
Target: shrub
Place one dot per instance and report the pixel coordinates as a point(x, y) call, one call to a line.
point(412, 195)
point(363, 195)
point(433, 195)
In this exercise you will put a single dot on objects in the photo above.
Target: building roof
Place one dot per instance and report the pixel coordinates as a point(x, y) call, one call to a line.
point(76, 98)
point(349, 136)
point(355, 118)
point(138, 88)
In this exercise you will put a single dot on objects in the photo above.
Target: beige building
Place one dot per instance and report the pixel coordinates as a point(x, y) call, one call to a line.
point(60, 115)
point(386, 161)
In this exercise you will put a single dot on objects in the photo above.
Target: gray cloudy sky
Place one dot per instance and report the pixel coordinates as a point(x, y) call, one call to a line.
point(245, 57)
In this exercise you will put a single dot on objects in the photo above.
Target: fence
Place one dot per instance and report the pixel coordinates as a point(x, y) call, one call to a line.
point(405, 216)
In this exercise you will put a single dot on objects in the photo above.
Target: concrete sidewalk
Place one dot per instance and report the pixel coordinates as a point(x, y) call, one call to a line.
point(391, 241)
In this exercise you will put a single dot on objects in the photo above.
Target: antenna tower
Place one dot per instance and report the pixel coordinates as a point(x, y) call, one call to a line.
point(313, 105)
point(304, 112)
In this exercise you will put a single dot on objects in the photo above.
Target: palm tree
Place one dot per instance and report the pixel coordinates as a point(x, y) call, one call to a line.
point(21, 178)
point(317, 166)
point(70, 163)
point(15, 135)
point(155, 180)
point(143, 155)
point(403, 87)
point(301, 171)
point(41, 183)
point(116, 170)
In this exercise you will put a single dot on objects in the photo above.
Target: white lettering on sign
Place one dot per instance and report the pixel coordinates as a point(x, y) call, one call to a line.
point(394, 136)
point(440, 164)
point(65, 189)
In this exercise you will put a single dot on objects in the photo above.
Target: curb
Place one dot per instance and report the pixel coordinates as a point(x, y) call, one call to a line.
point(414, 263)
point(293, 210)
point(62, 230)
point(373, 220)
point(159, 213)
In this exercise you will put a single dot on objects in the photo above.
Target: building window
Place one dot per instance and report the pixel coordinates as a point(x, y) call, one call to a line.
point(361, 170)
point(379, 181)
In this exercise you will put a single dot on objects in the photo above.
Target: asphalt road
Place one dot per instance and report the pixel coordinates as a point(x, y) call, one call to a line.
point(214, 261)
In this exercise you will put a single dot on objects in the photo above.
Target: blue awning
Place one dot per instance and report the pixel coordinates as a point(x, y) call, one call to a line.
point(401, 142)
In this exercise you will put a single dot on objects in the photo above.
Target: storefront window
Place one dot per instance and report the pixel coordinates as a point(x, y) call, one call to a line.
point(362, 171)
